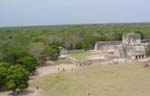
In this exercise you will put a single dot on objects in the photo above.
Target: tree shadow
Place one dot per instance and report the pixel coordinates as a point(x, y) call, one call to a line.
point(23, 92)
point(26, 92)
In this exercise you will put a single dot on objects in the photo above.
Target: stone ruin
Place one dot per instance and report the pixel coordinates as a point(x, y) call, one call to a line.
point(130, 47)
point(106, 52)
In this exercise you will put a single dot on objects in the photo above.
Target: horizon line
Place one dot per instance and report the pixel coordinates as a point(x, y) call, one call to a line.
point(73, 24)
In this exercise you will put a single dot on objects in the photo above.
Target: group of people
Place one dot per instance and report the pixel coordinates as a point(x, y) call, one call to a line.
point(113, 62)
point(147, 64)
point(63, 69)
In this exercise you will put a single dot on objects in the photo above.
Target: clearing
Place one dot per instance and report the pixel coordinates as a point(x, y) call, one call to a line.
point(98, 80)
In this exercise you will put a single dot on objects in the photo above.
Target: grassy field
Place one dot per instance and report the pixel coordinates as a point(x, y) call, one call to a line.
point(81, 55)
point(98, 80)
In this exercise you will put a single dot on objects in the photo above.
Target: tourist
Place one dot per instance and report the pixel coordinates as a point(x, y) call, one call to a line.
point(37, 87)
point(88, 94)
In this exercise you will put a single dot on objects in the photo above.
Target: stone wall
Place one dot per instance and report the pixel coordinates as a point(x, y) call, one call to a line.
point(131, 38)
point(89, 61)
point(106, 46)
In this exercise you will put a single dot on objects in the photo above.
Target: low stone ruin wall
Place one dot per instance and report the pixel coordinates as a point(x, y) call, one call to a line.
point(145, 41)
point(89, 61)
point(72, 60)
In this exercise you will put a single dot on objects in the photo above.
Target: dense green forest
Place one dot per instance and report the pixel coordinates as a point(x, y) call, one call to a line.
point(37, 39)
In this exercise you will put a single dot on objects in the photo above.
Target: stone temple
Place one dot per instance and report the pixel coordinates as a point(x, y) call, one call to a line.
point(130, 47)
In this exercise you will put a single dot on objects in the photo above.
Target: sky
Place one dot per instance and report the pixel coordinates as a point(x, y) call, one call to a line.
point(53, 12)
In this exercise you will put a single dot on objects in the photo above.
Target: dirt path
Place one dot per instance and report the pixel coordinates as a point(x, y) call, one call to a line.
point(36, 92)
point(46, 70)
point(43, 71)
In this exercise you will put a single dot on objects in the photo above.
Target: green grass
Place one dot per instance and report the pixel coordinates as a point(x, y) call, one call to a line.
point(61, 62)
point(81, 55)
point(101, 80)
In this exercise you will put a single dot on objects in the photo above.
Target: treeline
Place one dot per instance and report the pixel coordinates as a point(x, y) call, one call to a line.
point(72, 36)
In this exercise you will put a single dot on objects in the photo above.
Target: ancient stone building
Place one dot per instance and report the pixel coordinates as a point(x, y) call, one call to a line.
point(130, 47)
point(131, 38)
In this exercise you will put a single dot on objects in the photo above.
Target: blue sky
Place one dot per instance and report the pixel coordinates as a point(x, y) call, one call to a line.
point(52, 12)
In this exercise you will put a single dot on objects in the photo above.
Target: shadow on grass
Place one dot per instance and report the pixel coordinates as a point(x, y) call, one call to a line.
point(23, 92)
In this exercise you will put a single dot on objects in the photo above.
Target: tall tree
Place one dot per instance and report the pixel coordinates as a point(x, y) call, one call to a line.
point(3, 73)
point(52, 50)
point(142, 35)
point(28, 62)
point(17, 77)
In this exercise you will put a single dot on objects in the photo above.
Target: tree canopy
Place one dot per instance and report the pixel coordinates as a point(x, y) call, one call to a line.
point(16, 77)
point(52, 50)
point(28, 62)
point(13, 77)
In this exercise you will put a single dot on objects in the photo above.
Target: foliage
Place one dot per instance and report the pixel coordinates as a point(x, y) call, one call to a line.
point(118, 36)
point(4, 64)
point(70, 36)
point(15, 55)
point(52, 50)
point(17, 77)
point(11, 50)
point(39, 40)
point(3, 73)
point(89, 42)
point(13, 77)
point(12, 54)
point(15, 73)
point(142, 35)
point(28, 62)
point(78, 45)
